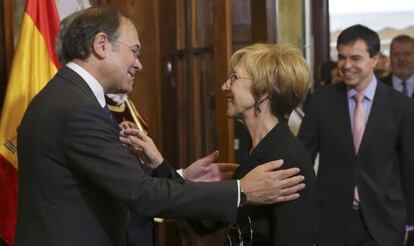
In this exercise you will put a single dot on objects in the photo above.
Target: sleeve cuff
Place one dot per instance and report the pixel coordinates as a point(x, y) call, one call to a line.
point(409, 228)
point(238, 193)
point(180, 172)
point(164, 170)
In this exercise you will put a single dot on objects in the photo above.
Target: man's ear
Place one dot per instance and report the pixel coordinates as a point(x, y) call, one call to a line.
point(376, 59)
point(100, 46)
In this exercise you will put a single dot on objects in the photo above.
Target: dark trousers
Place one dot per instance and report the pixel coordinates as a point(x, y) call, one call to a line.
point(410, 241)
point(358, 234)
point(2, 243)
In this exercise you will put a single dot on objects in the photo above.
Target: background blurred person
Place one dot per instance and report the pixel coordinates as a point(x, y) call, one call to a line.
point(382, 67)
point(402, 65)
point(330, 74)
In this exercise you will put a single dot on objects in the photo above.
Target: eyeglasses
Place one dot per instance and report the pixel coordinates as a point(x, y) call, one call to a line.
point(233, 78)
point(240, 235)
point(134, 49)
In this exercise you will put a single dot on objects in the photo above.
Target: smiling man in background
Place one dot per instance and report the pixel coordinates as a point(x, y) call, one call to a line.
point(363, 131)
point(402, 65)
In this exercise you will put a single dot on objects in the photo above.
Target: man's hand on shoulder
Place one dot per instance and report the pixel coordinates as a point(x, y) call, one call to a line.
point(266, 185)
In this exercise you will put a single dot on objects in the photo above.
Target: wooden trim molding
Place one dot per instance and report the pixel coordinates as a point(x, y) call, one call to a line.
point(320, 33)
point(263, 14)
point(8, 33)
point(222, 53)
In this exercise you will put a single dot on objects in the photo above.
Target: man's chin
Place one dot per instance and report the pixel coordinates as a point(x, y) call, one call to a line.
point(126, 89)
point(120, 91)
point(351, 83)
point(402, 75)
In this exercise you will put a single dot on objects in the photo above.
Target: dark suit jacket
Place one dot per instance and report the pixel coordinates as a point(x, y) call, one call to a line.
point(76, 179)
point(387, 79)
point(383, 169)
point(285, 224)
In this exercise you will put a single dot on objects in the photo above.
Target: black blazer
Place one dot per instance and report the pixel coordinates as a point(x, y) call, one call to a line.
point(286, 224)
point(383, 169)
point(387, 79)
point(76, 179)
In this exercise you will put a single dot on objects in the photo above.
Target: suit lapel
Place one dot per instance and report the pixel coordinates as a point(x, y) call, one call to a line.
point(344, 123)
point(387, 80)
point(72, 77)
point(378, 106)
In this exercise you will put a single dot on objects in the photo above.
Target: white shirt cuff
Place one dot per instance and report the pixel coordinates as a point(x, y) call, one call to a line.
point(180, 172)
point(238, 193)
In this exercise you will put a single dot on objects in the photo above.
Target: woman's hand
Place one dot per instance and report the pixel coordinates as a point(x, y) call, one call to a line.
point(139, 141)
point(205, 170)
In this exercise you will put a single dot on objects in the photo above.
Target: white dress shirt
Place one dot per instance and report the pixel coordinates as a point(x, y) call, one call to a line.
point(396, 84)
point(95, 86)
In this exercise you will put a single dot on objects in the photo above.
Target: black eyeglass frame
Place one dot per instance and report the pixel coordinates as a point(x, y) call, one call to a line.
point(134, 49)
point(233, 78)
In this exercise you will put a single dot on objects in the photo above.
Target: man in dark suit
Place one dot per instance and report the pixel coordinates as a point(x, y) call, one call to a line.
point(76, 180)
point(402, 65)
point(402, 76)
point(364, 133)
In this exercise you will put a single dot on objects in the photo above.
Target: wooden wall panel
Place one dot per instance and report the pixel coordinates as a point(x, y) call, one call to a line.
point(8, 33)
point(179, 20)
point(222, 53)
point(201, 23)
point(196, 108)
point(241, 23)
point(6, 45)
point(181, 113)
point(172, 34)
point(208, 103)
point(320, 33)
point(3, 58)
point(263, 14)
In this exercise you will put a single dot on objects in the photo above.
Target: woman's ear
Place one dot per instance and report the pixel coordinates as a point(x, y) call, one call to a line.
point(259, 102)
point(100, 45)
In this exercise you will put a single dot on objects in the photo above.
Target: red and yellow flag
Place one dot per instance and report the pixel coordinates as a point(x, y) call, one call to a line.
point(34, 64)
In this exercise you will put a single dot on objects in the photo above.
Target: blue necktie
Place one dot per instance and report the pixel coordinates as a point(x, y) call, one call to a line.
point(108, 112)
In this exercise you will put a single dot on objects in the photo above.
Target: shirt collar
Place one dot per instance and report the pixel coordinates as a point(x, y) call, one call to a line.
point(95, 86)
point(397, 81)
point(368, 92)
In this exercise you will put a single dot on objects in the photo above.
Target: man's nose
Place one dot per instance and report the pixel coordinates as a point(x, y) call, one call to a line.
point(138, 64)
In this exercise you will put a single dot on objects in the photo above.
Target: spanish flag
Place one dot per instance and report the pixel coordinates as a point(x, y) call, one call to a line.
point(34, 64)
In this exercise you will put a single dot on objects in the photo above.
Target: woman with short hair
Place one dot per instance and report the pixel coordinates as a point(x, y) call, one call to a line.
point(267, 82)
